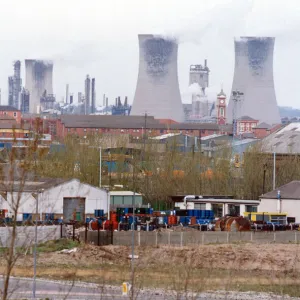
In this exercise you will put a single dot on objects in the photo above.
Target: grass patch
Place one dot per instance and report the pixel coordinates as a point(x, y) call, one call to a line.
point(57, 245)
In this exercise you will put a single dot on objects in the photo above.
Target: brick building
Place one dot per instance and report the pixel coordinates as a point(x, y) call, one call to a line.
point(245, 125)
point(135, 126)
point(11, 111)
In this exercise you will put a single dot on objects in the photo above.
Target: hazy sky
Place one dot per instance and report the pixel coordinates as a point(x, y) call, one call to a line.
point(99, 38)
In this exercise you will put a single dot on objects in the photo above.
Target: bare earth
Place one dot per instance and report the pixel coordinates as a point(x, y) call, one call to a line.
point(242, 267)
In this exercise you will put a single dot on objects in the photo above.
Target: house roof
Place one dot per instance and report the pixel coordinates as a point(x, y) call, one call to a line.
point(263, 125)
point(128, 122)
point(290, 190)
point(8, 108)
point(246, 118)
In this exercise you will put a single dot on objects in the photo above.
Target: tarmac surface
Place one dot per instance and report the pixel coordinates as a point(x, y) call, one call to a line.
point(21, 288)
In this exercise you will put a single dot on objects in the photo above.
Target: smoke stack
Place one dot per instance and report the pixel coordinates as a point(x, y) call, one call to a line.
point(67, 93)
point(106, 101)
point(116, 102)
point(71, 99)
point(205, 63)
point(119, 101)
point(125, 102)
point(93, 96)
point(103, 99)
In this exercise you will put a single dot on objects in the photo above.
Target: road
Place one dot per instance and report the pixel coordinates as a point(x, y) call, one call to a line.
point(21, 288)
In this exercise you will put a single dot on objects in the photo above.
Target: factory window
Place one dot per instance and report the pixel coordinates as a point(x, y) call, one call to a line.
point(137, 130)
point(201, 206)
point(5, 113)
point(84, 129)
point(15, 114)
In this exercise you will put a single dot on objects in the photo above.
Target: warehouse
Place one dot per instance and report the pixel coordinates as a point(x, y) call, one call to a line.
point(284, 199)
point(60, 198)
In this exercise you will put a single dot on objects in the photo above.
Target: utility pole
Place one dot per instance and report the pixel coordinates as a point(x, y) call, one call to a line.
point(132, 241)
point(100, 167)
point(274, 170)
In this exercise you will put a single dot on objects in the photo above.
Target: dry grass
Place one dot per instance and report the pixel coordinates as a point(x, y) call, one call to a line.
point(267, 268)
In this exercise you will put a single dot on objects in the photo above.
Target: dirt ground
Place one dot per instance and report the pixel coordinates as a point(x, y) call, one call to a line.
point(243, 267)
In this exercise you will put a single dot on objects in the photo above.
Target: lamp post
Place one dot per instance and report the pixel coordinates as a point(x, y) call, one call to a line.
point(274, 170)
point(100, 168)
point(36, 196)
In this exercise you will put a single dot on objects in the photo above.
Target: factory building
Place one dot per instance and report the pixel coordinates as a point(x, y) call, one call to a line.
point(15, 86)
point(93, 106)
point(157, 91)
point(66, 199)
point(39, 75)
point(253, 92)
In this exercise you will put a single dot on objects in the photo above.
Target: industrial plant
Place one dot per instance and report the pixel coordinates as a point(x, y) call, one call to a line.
point(39, 76)
point(253, 92)
point(157, 90)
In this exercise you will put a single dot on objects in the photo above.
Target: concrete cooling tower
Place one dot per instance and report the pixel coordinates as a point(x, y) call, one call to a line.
point(253, 80)
point(157, 91)
point(38, 82)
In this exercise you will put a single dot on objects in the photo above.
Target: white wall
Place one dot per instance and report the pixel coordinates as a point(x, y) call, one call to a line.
point(289, 206)
point(51, 200)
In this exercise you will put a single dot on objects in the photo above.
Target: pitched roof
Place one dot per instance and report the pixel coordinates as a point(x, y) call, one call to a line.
point(263, 125)
point(246, 118)
point(290, 190)
point(128, 122)
point(8, 108)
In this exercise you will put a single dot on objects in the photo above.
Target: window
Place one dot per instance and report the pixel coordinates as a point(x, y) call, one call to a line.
point(222, 111)
point(15, 114)
point(84, 129)
point(201, 206)
point(68, 129)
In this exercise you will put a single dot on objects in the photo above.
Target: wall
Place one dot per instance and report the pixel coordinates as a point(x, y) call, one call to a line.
point(155, 238)
point(51, 200)
point(290, 206)
point(25, 235)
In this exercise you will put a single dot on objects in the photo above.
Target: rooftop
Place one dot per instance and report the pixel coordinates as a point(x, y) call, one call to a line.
point(290, 190)
point(263, 125)
point(8, 108)
point(129, 122)
point(246, 118)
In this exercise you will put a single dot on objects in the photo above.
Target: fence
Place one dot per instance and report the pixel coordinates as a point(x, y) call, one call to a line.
point(25, 235)
point(155, 238)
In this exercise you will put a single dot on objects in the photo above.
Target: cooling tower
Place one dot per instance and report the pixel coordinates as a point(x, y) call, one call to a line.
point(38, 81)
point(253, 76)
point(157, 91)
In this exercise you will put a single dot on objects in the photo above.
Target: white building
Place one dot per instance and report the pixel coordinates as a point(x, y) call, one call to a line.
point(220, 205)
point(284, 199)
point(67, 199)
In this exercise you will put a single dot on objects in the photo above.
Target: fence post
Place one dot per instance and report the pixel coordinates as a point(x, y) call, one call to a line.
point(85, 236)
point(156, 238)
point(169, 238)
point(139, 238)
point(61, 230)
point(227, 237)
point(181, 239)
point(251, 236)
point(98, 235)
point(74, 232)
point(295, 236)
point(274, 239)
point(111, 234)
point(202, 237)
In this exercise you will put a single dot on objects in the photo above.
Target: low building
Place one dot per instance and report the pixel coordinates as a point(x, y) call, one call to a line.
point(221, 205)
point(125, 199)
point(66, 199)
point(284, 199)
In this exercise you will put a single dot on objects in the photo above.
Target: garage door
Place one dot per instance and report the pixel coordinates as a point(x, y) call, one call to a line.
point(74, 209)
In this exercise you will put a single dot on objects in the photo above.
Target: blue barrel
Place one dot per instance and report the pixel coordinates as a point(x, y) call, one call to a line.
point(182, 220)
point(99, 213)
point(27, 217)
point(87, 220)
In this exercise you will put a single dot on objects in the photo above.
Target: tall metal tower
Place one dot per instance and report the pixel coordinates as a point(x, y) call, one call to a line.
point(87, 89)
point(15, 86)
point(93, 107)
